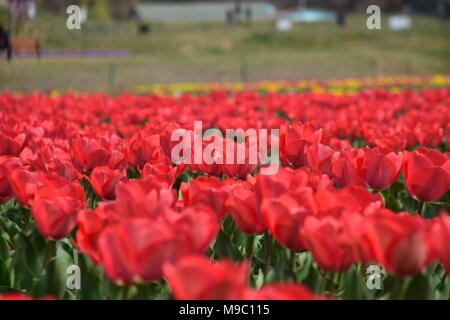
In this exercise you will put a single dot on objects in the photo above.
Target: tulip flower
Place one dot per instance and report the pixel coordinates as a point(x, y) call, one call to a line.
point(294, 139)
point(55, 209)
point(345, 168)
point(134, 250)
point(141, 148)
point(7, 165)
point(209, 191)
point(25, 184)
point(90, 224)
point(319, 157)
point(104, 181)
point(16, 296)
point(400, 242)
point(11, 145)
point(163, 170)
point(195, 278)
point(322, 238)
point(241, 205)
point(89, 153)
point(147, 197)
point(380, 170)
point(427, 174)
point(440, 235)
point(285, 216)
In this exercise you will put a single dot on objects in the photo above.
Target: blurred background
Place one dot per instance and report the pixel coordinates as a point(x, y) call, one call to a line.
point(123, 44)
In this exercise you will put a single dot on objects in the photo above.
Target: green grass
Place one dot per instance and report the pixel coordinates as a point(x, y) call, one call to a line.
point(212, 52)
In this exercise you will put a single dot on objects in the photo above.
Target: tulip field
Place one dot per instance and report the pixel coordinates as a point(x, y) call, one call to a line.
point(93, 205)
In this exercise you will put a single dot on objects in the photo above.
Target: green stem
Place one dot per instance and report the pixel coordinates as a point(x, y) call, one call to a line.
point(268, 258)
point(323, 283)
point(292, 264)
point(249, 249)
point(141, 293)
point(126, 293)
point(293, 261)
point(51, 252)
point(338, 281)
point(420, 208)
point(397, 290)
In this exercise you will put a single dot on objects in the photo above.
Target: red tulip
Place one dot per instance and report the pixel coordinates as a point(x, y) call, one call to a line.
point(118, 160)
point(345, 168)
point(288, 180)
point(11, 145)
point(241, 205)
point(104, 181)
point(293, 140)
point(195, 226)
point(16, 296)
point(90, 225)
point(213, 163)
point(147, 197)
point(52, 158)
point(285, 216)
point(7, 165)
point(239, 167)
point(322, 238)
point(55, 209)
point(440, 235)
point(25, 184)
point(141, 148)
point(427, 174)
point(429, 135)
point(196, 278)
point(64, 169)
point(399, 242)
point(163, 170)
point(90, 153)
point(380, 170)
point(333, 202)
point(209, 191)
point(134, 250)
point(319, 157)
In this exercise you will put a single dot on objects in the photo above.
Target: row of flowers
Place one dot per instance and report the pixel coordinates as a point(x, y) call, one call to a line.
point(94, 176)
point(337, 86)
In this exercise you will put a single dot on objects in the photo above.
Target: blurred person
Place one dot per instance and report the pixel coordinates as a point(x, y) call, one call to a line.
point(341, 18)
point(229, 17)
point(248, 16)
point(237, 12)
point(5, 43)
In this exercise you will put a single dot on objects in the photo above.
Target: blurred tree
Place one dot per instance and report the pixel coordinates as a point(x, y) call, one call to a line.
point(19, 11)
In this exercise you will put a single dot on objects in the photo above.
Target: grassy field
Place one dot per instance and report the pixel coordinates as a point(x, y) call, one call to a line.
point(213, 52)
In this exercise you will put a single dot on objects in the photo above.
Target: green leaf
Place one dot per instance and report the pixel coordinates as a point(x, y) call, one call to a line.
point(225, 248)
point(92, 280)
point(354, 285)
point(5, 279)
point(53, 280)
point(419, 288)
point(5, 251)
